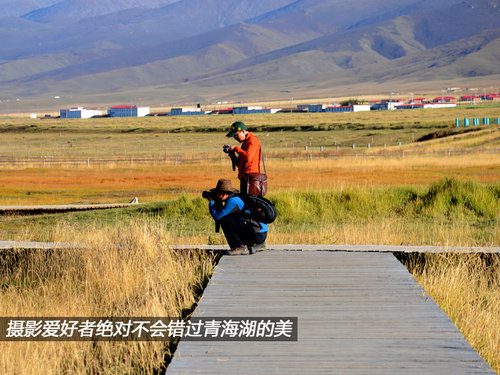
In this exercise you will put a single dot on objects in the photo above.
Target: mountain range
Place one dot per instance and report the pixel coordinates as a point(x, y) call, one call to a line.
point(173, 51)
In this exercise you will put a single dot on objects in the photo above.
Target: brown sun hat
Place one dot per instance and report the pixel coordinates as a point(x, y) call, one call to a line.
point(224, 186)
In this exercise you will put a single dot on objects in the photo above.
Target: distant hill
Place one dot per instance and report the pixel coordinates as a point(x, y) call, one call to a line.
point(195, 50)
point(19, 7)
point(75, 10)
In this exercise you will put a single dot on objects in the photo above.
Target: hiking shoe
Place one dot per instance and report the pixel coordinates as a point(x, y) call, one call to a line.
point(258, 247)
point(241, 250)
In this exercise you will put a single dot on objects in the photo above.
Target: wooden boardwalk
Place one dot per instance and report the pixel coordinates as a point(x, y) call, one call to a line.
point(306, 248)
point(358, 248)
point(32, 210)
point(11, 245)
point(358, 313)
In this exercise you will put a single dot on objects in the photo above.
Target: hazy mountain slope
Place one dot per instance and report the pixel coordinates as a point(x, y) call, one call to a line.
point(78, 9)
point(128, 35)
point(310, 71)
point(390, 50)
point(326, 17)
point(190, 17)
point(477, 55)
point(19, 7)
point(133, 27)
point(302, 20)
point(448, 24)
point(173, 61)
point(387, 40)
point(19, 37)
point(195, 45)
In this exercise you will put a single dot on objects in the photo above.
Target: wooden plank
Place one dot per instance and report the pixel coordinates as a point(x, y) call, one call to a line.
point(358, 248)
point(11, 245)
point(60, 208)
point(358, 313)
point(271, 248)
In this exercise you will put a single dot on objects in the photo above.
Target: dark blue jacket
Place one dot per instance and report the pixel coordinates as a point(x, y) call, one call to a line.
point(232, 205)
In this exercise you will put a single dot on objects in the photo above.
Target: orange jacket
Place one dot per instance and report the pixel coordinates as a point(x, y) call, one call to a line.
point(249, 156)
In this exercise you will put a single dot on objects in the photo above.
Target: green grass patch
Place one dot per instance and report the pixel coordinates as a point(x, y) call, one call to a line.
point(466, 212)
point(446, 198)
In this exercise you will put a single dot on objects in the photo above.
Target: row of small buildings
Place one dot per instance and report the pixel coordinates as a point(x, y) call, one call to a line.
point(118, 111)
point(233, 110)
point(473, 98)
point(390, 104)
point(132, 111)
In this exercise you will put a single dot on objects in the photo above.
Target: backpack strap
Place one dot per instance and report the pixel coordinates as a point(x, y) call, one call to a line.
point(262, 157)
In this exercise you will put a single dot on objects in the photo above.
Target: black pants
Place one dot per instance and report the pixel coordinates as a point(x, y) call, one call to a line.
point(241, 232)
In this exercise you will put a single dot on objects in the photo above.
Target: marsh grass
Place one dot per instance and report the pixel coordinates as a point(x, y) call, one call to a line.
point(447, 212)
point(124, 270)
point(83, 185)
point(467, 288)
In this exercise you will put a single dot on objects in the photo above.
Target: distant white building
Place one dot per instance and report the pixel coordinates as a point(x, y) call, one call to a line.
point(440, 105)
point(361, 107)
point(348, 108)
point(385, 106)
point(187, 112)
point(79, 112)
point(128, 111)
point(426, 105)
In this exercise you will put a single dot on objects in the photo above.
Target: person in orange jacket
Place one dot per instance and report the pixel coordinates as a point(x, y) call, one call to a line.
point(247, 157)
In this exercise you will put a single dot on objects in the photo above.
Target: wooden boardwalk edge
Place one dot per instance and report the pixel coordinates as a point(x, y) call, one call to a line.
point(356, 248)
point(4, 210)
point(27, 245)
point(290, 247)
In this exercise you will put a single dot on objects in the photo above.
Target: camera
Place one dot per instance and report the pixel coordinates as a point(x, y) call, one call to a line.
point(207, 195)
point(226, 149)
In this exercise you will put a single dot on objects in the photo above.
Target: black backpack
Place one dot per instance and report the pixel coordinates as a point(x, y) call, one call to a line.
point(261, 209)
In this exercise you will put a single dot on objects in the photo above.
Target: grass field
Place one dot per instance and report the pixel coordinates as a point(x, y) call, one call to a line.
point(466, 287)
point(112, 183)
point(444, 191)
point(188, 158)
point(160, 136)
point(124, 271)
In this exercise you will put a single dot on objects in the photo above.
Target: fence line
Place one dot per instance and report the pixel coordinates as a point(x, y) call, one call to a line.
point(176, 160)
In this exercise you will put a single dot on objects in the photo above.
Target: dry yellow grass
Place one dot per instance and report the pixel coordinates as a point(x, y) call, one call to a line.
point(152, 183)
point(125, 271)
point(467, 288)
point(386, 231)
point(413, 169)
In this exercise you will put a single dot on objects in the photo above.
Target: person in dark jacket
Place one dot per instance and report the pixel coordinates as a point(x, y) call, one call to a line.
point(244, 235)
